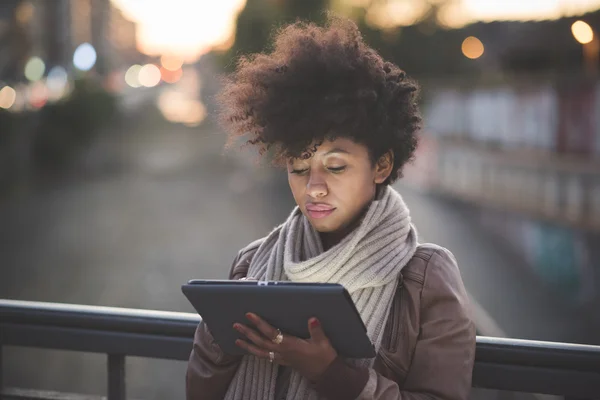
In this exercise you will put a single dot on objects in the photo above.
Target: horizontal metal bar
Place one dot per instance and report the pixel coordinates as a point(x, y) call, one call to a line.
point(538, 353)
point(31, 394)
point(98, 318)
point(506, 364)
point(87, 340)
point(516, 378)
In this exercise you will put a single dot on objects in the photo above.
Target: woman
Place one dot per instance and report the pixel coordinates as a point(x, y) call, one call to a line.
point(344, 123)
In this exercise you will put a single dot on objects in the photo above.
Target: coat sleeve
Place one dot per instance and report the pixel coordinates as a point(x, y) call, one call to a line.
point(444, 354)
point(209, 370)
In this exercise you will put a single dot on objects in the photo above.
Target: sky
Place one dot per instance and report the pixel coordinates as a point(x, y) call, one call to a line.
point(189, 28)
point(185, 28)
point(487, 10)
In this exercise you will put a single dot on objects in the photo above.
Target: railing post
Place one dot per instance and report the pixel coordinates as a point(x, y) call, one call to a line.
point(1, 371)
point(116, 377)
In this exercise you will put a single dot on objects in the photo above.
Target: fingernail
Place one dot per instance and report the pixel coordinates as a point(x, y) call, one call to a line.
point(251, 317)
point(237, 327)
point(314, 323)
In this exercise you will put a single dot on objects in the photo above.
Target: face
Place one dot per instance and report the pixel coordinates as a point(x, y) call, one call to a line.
point(336, 184)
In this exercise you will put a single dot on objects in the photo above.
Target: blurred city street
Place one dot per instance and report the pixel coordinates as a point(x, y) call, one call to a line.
point(116, 186)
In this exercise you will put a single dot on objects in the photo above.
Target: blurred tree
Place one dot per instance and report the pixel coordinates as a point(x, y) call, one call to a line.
point(260, 18)
point(421, 36)
point(411, 33)
point(387, 13)
point(415, 42)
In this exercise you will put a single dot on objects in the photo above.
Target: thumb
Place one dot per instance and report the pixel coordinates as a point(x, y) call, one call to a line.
point(316, 330)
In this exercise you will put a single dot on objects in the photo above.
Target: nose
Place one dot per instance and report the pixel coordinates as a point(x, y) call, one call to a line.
point(316, 186)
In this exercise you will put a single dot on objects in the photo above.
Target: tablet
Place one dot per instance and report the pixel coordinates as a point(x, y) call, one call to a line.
point(285, 305)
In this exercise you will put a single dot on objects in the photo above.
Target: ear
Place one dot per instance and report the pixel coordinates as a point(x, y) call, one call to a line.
point(383, 167)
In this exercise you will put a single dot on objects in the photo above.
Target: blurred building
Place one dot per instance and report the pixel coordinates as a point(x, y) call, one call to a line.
point(14, 41)
point(122, 36)
point(522, 151)
point(52, 30)
point(48, 23)
point(103, 25)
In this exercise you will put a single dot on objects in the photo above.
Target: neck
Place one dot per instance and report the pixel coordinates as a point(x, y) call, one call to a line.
point(330, 239)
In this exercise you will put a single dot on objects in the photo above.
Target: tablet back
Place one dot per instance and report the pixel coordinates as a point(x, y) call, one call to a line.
point(285, 305)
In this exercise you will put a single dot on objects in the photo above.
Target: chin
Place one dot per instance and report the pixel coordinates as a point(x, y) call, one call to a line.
point(323, 226)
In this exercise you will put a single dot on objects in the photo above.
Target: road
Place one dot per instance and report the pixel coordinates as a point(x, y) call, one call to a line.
point(177, 208)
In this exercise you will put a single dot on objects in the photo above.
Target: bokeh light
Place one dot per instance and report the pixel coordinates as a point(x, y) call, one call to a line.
point(171, 63)
point(472, 47)
point(582, 32)
point(179, 107)
point(24, 12)
point(38, 94)
point(132, 76)
point(57, 82)
point(171, 76)
point(390, 14)
point(84, 57)
point(149, 75)
point(34, 69)
point(8, 96)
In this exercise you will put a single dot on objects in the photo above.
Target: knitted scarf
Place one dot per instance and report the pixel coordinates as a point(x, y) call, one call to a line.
point(367, 262)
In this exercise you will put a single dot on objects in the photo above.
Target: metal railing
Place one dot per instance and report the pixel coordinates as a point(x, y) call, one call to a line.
point(569, 370)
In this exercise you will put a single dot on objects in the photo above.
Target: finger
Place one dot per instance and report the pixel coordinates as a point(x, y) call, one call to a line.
point(261, 353)
point(252, 349)
point(262, 326)
point(255, 337)
point(316, 331)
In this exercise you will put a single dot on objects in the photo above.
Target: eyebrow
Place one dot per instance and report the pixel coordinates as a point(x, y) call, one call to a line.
point(337, 150)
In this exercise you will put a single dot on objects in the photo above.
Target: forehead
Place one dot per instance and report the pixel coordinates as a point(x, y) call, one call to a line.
point(340, 146)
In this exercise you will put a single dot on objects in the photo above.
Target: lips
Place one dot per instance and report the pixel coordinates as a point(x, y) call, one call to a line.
point(319, 210)
point(319, 207)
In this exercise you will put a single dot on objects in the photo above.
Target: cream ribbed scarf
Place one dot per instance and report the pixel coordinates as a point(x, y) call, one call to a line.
point(367, 262)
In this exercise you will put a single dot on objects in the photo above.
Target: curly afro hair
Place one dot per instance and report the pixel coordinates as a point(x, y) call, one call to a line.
point(321, 83)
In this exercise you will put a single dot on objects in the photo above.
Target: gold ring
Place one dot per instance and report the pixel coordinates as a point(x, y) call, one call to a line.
point(279, 338)
point(271, 357)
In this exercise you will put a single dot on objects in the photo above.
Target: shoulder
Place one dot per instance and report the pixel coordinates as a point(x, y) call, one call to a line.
point(241, 263)
point(431, 260)
point(249, 250)
point(442, 285)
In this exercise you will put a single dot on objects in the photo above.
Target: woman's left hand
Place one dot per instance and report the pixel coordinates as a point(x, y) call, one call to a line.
point(310, 357)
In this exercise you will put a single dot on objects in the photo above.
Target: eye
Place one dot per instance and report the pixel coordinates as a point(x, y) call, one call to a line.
point(298, 171)
point(337, 169)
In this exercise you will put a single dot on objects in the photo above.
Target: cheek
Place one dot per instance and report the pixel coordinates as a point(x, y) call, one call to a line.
point(296, 186)
point(355, 190)
point(364, 191)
